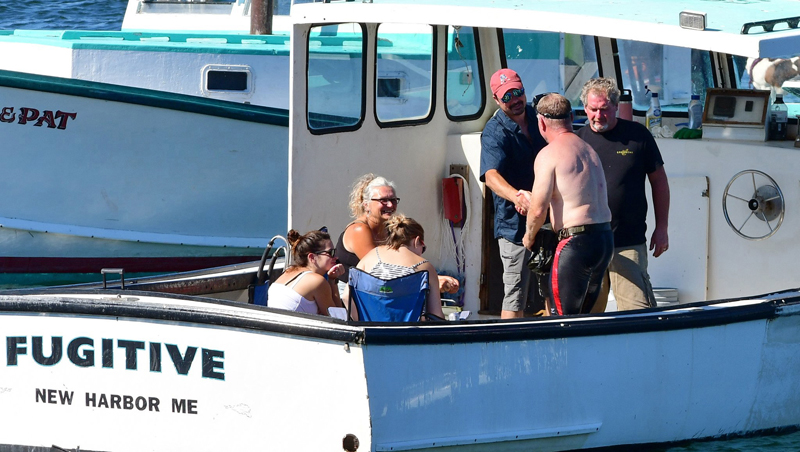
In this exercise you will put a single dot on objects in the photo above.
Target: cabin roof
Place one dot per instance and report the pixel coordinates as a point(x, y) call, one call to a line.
point(654, 21)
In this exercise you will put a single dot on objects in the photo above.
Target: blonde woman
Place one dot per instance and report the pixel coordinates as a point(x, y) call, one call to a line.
point(373, 201)
point(401, 256)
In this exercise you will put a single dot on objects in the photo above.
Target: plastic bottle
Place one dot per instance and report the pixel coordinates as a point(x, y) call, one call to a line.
point(653, 118)
point(778, 117)
point(625, 110)
point(695, 112)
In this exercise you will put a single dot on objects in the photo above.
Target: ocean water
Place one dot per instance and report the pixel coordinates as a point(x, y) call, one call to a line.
point(107, 15)
point(62, 14)
point(75, 14)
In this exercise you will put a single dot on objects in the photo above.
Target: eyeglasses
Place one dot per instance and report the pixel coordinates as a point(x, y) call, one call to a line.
point(329, 252)
point(423, 246)
point(512, 93)
point(386, 201)
point(539, 97)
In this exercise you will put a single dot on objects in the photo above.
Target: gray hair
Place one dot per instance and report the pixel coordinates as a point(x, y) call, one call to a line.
point(601, 85)
point(362, 188)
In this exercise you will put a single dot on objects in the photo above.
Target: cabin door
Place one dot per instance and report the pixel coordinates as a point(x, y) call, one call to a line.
point(492, 290)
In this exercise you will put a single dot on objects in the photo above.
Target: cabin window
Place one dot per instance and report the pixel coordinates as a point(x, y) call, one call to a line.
point(230, 82)
point(779, 75)
point(227, 80)
point(404, 88)
point(675, 73)
point(335, 78)
point(551, 62)
point(463, 81)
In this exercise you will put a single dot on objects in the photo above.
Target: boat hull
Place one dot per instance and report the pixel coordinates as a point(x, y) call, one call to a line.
point(101, 171)
point(234, 385)
point(254, 377)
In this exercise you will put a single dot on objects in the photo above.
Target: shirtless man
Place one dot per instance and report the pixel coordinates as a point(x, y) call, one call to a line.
point(569, 179)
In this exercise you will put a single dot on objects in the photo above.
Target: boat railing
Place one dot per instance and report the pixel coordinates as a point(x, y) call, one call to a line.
point(263, 275)
point(154, 37)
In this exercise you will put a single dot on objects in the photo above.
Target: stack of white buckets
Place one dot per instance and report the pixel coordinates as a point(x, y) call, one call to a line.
point(665, 296)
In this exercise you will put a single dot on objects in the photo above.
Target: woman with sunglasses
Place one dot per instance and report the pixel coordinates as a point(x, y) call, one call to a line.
point(303, 286)
point(372, 202)
point(401, 256)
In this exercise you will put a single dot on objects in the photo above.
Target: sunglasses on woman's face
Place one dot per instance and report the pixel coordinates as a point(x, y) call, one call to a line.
point(329, 252)
point(386, 201)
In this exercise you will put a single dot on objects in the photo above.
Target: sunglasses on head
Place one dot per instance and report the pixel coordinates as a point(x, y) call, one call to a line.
point(511, 94)
point(539, 97)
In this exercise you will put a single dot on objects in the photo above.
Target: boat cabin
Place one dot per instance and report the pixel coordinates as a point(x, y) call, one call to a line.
point(404, 93)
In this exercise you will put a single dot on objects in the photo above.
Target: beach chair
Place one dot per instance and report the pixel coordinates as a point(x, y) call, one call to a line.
point(396, 300)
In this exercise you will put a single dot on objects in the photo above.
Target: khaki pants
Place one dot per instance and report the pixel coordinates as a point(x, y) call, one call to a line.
point(518, 285)
point(627, 277)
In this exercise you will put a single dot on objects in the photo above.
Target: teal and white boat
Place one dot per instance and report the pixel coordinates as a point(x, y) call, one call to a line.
point(105, 161)
point(401, 90)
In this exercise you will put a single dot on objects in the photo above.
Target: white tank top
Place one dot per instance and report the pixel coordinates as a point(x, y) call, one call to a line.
point(285, 297)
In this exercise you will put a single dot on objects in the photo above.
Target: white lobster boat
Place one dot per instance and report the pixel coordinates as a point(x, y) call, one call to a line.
point(161, 147)
point(184, 362)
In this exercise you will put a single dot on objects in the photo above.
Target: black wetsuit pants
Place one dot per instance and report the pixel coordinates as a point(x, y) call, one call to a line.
point(578, 268)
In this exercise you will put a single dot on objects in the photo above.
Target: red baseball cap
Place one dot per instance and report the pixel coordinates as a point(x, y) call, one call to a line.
point(504, 80)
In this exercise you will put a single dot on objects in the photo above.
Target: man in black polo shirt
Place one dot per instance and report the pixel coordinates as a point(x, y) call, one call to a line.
point(629, 155)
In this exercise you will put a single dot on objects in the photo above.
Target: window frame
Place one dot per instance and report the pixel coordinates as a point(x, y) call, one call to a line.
point(478, 81)
point(434, 72)
point(364, 40)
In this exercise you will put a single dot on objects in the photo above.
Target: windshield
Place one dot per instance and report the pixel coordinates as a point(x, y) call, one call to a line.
point(675, 73)
point(778, 75)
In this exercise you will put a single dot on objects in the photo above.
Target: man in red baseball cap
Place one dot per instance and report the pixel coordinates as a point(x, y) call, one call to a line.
point(509, 143)
point(503, 81)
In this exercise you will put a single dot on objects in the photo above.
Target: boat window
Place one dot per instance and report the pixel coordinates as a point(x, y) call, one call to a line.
point(779, 75)
point(335, 77)
point(404, 89)
point(549, 62)
point(464, 94)
point(227, 80)
point(675, 73)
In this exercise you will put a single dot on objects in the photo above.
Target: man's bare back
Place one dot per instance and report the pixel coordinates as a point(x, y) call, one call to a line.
point(577, 184)
point(569, 179)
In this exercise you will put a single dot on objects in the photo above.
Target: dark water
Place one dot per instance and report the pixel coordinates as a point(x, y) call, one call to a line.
point(62, 14)
point(75, 14)
point(107, 15)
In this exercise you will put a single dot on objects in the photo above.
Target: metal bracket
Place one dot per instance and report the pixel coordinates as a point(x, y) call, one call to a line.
point(118, 271)
point(769, 25)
